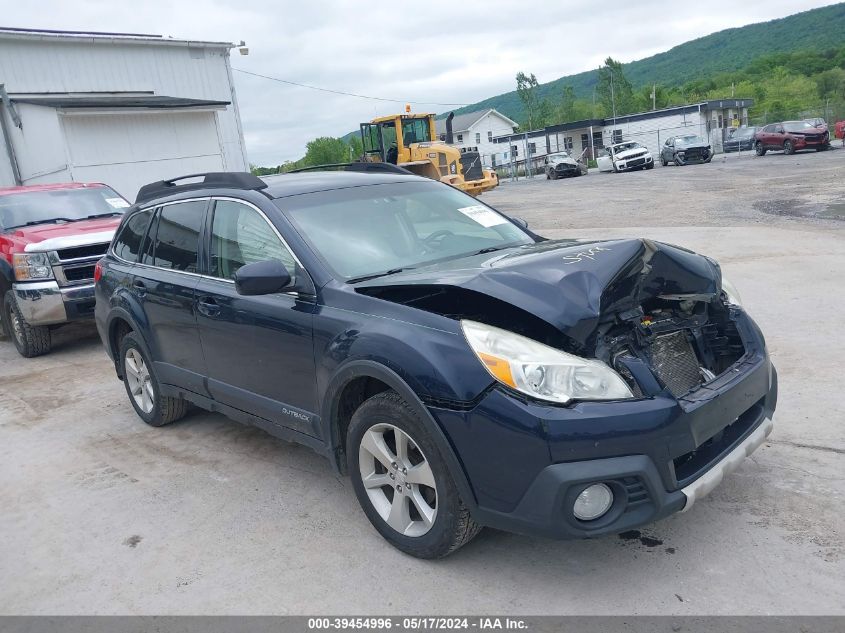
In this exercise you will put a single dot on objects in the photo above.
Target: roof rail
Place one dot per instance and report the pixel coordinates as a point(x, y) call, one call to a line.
point(221, 179)
point(382, 168)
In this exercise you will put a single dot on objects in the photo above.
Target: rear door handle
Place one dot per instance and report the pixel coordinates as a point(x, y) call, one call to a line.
point(208, 306)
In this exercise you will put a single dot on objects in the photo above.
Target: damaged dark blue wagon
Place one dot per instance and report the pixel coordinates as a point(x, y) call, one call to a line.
point(463, 371)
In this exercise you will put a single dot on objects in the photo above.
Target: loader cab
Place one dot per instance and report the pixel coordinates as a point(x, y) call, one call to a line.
point(388, 139)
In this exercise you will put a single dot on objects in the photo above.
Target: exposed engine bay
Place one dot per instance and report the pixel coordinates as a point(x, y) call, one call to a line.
point(653, 312)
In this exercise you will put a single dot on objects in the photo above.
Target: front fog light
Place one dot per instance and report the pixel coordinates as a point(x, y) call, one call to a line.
point(594, 501)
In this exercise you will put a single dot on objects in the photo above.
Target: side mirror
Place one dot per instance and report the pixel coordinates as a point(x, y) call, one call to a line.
point(520, 222)
point(262, 278)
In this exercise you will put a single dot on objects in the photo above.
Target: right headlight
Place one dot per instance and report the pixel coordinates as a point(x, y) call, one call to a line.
point(541, 371)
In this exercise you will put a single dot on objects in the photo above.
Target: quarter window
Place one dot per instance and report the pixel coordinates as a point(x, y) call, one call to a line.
point(177, 238)
point(128, 244)
point(239, 236)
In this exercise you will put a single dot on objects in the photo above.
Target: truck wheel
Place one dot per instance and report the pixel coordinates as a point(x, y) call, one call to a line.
point(30, 340)
point(142, 386)
point(402, 482)
point(759, 149)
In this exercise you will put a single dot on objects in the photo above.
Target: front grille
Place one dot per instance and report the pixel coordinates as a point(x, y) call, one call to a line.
point(675, 363)
point(689, 466)
point(636, 162)
point(79, 273)
point(77, 252)
point(695, 154)
point(471, 164)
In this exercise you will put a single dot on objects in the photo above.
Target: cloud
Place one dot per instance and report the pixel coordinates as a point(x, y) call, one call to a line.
point(439, 51)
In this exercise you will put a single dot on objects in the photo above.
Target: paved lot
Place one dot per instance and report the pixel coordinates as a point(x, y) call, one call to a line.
point(101, 514)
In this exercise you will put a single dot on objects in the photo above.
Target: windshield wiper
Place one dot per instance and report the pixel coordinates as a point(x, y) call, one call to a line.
point(47, 221)
point(392, 271)
point(490, 249)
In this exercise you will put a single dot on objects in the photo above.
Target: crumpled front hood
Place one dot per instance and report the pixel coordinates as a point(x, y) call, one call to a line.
point(571, 284)
point(564, 161)
point(631, 153)
point(687, 147)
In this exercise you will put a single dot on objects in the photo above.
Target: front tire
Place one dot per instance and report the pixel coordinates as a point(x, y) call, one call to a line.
point(788, 147)
point(143, 388)
point(679, 161)
point(759, 149)
point(402, 481)
point(30, 340)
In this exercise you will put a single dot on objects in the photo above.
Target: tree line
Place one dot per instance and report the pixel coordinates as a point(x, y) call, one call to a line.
point(783, 85)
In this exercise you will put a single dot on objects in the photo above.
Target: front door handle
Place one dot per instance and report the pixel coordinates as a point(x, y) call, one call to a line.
point(208, 306)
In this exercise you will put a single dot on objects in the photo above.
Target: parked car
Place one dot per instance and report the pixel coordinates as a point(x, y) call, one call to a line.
point(791, 136)
point(742, 138)
point(685, 149)
point(562, 165)
point(463, 371)
point(839, 131)
point(50, 238)
point(626, 156)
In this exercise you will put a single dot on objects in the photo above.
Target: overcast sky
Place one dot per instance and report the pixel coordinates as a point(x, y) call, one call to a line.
point(434, 51)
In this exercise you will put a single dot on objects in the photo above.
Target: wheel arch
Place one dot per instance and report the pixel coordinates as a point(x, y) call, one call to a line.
point(358, 380)
point(119, 323)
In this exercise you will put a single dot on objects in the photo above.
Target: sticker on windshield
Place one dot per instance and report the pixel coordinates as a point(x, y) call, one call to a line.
point(117, 203)
point(484, 216)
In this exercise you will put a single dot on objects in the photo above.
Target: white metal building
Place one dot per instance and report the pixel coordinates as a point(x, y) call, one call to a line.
point(476, 130)
point(122, 109)
point(709, 119)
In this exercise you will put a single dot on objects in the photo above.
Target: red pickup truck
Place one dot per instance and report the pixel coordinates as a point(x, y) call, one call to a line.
point(51, 237)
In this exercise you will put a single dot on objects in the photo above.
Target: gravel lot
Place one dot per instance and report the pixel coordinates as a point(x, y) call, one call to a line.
point(101, 514)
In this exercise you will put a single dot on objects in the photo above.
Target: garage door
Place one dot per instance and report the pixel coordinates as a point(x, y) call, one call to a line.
point(127, 151)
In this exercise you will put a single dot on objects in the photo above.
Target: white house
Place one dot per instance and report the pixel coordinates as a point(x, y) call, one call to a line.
point(475, 131)
point(123, 109)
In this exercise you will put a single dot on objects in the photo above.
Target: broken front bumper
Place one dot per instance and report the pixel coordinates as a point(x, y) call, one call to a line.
point(527, 462)
point(45, 303)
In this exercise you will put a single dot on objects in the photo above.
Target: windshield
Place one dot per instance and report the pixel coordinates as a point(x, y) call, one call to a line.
point(689, 140)
point(744, 132)
point(374, 229)
point(60, 205)
point(624, 147)
point(798, 126)
point(558, 156)
point(415, 131)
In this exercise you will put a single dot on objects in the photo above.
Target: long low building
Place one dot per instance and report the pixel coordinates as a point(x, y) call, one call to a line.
point(709, 119)
point(124, 109)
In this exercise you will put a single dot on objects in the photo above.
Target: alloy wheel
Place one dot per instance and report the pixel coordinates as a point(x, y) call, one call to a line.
point(139, 380)
point(398, 479)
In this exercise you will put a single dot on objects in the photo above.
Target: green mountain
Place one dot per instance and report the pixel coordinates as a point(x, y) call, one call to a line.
point(724, 51)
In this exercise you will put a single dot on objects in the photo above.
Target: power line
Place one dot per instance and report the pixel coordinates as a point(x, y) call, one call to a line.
point(347, 94)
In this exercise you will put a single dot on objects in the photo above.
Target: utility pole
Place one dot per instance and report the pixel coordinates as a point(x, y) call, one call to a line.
point(654, 96)
point(612, 96)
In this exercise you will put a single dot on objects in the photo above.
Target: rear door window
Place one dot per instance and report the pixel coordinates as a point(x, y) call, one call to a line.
point(128, 242)
point(177, 238)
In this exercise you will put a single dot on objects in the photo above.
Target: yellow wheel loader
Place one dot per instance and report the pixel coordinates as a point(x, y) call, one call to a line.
point(410, 141)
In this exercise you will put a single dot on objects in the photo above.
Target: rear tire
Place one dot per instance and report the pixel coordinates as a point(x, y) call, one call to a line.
point(30, 340)
point(759, 149)
point(663, 161)
point(142, 386)
point(389, 447)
